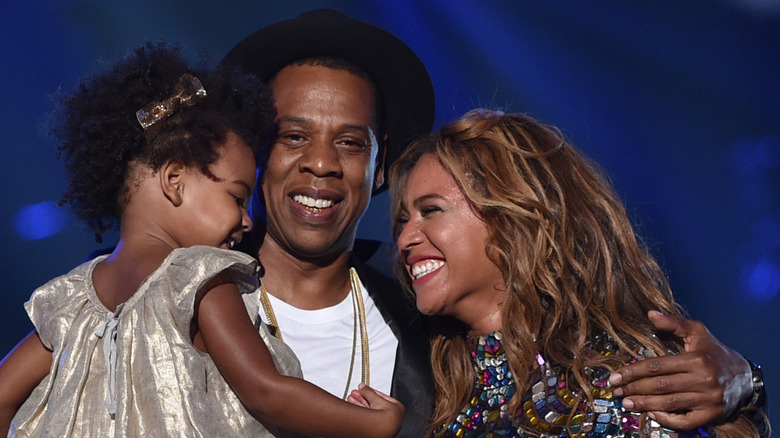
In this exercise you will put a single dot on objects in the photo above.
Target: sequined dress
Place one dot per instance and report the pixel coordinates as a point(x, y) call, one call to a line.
point(139, 361)
point(546, 407)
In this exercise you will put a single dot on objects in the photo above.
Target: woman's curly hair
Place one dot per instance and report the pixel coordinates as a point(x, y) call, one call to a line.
point(573, 267)
point(102, 139)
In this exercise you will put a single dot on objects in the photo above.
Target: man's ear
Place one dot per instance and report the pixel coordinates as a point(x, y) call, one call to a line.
point(172, 180)
point(379, 173)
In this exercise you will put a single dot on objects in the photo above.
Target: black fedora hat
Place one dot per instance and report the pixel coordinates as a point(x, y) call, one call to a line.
point(399, 74)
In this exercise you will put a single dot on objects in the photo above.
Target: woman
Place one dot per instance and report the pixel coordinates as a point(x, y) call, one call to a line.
point(526, 252)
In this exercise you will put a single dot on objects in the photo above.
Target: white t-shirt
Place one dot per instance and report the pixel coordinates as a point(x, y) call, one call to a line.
point(322, 340)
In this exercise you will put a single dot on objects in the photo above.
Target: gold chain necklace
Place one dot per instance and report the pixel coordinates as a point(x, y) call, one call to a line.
point(359, 312)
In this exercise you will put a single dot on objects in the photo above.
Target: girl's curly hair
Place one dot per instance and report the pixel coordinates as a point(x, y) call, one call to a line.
point(101, 137)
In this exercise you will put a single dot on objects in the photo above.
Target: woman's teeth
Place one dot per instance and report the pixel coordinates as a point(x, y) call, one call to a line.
point(422, 269)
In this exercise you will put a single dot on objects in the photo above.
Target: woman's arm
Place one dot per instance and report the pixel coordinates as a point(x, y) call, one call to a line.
point(20, 372)
point(244, 360)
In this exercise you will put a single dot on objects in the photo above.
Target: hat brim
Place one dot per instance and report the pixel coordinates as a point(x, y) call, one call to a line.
point(399, 74)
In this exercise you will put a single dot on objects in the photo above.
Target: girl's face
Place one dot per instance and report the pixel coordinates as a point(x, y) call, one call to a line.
point(442, 243)
point(215, 212)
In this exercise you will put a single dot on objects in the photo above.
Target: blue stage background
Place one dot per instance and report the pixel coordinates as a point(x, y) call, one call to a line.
point(678, 101)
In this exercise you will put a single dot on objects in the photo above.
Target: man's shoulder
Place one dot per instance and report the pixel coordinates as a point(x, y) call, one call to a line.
point(373, 261)
point(374, 254)
point(388, 294)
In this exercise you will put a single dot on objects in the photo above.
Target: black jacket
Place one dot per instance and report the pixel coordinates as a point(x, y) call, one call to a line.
point(412, 378)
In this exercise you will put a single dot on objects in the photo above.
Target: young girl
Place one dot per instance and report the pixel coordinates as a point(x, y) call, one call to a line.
point(156, 337)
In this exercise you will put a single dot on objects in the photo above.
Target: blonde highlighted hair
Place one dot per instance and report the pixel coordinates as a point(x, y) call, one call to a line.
point(573, 267)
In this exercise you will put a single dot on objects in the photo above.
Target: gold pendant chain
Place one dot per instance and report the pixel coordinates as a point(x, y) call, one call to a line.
point(273, 325)
point(357, 305)
point(359, 312)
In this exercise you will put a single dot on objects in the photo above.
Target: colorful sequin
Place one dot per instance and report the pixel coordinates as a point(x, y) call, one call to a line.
point(548, 409)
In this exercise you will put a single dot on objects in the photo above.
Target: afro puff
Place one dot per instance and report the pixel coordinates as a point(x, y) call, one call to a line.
point(101, 136)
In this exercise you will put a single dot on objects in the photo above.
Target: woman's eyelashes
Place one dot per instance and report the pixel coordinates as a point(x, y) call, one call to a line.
point(427, 210)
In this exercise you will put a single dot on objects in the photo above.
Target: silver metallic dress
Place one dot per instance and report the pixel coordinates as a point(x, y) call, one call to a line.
point(135, 372)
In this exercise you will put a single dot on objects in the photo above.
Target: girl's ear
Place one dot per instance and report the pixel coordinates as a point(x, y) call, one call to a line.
point(172, 180)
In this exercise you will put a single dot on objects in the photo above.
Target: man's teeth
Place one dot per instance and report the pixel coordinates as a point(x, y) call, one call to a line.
point(423, 269)
point(313, 203)
point(231, 244)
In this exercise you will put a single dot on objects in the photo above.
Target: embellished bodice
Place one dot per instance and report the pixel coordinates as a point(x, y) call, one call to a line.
point(549, 408)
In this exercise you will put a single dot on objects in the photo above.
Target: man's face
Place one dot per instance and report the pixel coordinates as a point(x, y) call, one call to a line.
point(324, 162)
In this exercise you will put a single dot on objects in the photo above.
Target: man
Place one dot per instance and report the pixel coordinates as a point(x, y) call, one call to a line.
point(349, 96)
point(342, 113)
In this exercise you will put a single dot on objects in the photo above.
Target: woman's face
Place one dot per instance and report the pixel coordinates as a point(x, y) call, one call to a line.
point(442, 241)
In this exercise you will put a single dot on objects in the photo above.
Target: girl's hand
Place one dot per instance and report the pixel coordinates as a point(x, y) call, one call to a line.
point(392, 410)
point(356, 398)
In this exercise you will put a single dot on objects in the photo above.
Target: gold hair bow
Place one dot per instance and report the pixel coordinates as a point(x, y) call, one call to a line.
point(187, 92)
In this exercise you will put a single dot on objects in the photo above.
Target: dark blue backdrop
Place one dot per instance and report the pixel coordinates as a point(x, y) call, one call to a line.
point(679, 101)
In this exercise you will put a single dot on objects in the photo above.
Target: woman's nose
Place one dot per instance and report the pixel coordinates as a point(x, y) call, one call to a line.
point(409, 236)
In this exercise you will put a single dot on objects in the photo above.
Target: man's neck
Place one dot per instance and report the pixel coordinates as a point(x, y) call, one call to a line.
point(305, 284)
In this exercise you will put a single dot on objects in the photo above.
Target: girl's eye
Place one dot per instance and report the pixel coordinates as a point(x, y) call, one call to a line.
point(401, 220)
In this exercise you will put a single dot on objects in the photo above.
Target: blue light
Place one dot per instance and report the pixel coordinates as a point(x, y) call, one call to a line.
point(763, 280)
point(38, 221)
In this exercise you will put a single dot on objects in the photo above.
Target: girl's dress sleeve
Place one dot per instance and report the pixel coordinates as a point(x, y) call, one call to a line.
point(203, 263)
point(53, 307)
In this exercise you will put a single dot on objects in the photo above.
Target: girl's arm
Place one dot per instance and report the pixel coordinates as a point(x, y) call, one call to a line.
point(244, 360)
point(20, 372)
